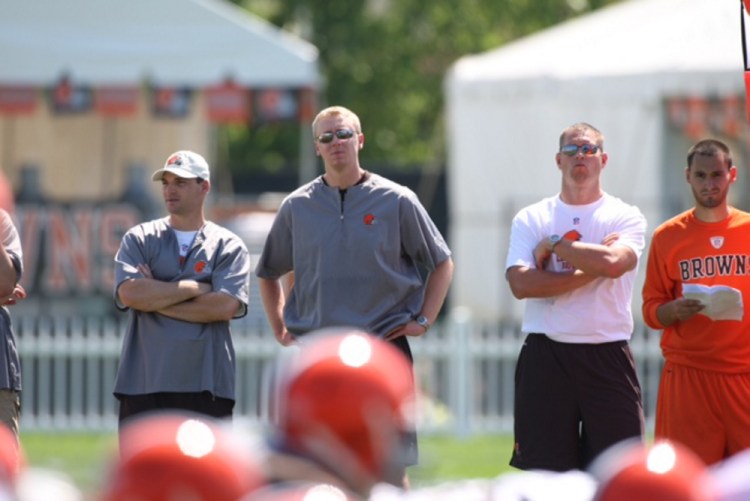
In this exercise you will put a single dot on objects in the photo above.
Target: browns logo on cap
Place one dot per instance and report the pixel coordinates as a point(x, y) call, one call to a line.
point(186, 164)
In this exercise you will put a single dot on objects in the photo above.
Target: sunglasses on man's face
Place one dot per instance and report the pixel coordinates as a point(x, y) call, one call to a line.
point(585, 149)
point(327, 137)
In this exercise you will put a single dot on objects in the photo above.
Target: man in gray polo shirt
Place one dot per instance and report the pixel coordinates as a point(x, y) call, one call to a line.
point(354, 249)
point(182, 279)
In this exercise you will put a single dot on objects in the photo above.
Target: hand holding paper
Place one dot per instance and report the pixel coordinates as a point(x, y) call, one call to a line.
point(722, 302)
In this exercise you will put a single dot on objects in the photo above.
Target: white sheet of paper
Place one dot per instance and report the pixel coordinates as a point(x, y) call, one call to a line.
point(722, 302)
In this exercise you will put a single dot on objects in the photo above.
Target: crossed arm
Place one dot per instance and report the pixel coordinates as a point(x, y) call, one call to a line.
point(589, 262)
point(10, 290)
point(186, 300)
point(8, 274)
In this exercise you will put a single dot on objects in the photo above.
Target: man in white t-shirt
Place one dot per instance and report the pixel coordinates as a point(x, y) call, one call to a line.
point(573, 258)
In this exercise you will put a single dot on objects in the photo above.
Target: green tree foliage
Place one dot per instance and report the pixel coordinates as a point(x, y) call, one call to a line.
point(386, 60)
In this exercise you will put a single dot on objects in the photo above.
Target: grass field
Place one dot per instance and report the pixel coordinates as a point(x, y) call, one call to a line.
point(84, 456)
point(445, 457)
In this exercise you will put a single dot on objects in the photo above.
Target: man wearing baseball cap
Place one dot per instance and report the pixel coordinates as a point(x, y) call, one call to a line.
point(184, 164)
point(181, 278)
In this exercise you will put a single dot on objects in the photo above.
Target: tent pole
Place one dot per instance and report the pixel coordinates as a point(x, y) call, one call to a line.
point(307, 161)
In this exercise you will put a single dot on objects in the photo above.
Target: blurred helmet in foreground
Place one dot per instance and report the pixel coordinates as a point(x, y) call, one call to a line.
point(540, 485)
point(522, 485)
point(731, 477)
point(345, 399)
point(44, 484)
point(7, 199)
point(663, 471)
point(299, 492)
point(12, 458)
point(170, 456)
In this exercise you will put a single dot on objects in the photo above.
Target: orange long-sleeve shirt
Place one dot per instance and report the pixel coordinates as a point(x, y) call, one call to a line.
point(687, 250)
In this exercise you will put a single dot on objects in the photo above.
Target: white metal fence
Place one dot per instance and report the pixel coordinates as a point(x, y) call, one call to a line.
point(465, 372)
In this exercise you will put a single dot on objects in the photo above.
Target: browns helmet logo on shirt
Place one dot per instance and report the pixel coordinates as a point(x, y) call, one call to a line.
point(573, 235)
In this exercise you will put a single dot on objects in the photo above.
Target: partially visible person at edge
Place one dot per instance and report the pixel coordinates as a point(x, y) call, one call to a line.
point(181, 278)
point(704, 393)
point(350, 245)
point(573, 257)
point(11, 269)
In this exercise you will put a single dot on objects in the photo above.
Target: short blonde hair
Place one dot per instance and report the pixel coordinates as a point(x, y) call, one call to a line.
point(582, 127)
point(333, 111)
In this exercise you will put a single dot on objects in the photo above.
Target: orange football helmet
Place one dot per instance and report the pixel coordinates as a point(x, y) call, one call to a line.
point(345, 399)
point(12, 459)
point(7, 199)
point(663, 471)
point(168, 456)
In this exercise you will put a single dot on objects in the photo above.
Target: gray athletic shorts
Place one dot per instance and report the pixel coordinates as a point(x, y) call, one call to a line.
point(10, 409)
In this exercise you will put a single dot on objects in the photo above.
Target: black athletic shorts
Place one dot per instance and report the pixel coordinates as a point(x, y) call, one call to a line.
point(409, 439)
point(573, 401)
point(402, 344)
point(201, 402)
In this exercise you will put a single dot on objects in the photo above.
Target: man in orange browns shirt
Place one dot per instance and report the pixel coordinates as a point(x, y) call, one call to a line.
point(704, 394)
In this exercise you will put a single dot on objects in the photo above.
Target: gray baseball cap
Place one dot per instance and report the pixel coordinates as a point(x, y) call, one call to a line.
point(185, 164)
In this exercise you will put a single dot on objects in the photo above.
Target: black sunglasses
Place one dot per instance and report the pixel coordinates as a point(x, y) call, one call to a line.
point(573, 149)
point(327, 137)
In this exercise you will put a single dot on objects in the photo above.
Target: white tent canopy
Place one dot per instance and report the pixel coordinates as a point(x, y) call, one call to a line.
point(630, 38)
point(158, 59)
point(613, 68)
point(190, 43)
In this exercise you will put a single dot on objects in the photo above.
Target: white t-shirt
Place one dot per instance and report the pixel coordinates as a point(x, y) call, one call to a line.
point(185, 241)
point(599, 311)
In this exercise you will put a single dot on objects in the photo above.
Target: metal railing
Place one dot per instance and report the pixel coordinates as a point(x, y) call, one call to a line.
point(464, 370)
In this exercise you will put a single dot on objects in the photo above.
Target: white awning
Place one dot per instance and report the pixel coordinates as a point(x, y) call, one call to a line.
point(191, 43)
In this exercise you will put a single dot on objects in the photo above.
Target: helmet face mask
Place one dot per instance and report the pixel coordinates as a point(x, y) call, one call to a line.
point(345, 399)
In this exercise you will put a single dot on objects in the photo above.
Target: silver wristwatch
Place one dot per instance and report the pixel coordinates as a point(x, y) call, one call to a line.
point(422, 320)
point(552, 241)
